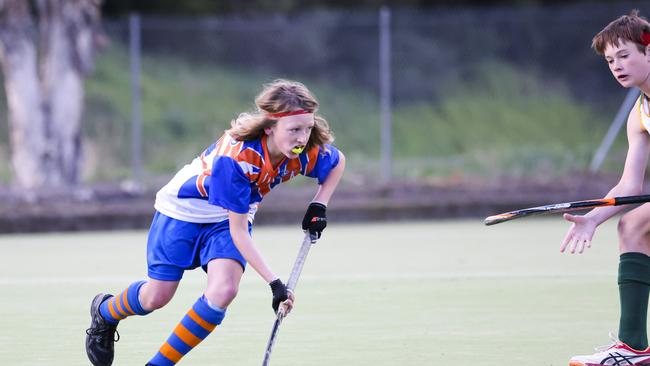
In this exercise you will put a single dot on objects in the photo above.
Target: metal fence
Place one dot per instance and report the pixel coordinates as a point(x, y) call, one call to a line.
point(473, 92)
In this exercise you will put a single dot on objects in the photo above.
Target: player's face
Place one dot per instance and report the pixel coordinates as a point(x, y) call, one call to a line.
point(290, 133)
point(628, 65)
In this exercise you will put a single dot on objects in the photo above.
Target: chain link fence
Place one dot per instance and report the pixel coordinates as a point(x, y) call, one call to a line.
point(476, 92)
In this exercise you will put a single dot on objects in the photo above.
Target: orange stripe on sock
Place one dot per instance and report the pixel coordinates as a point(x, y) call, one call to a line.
point(120, 310)
point(125, 301)
point(186, 336)
point(205, 325)
point(170, 353)
point(111, 309)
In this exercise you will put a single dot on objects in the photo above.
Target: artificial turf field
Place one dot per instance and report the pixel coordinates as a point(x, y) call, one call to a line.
point(424, 293)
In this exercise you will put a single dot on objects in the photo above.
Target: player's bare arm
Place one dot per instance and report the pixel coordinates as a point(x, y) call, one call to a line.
point(244, 242)
point(581, 232)
point(326, 189)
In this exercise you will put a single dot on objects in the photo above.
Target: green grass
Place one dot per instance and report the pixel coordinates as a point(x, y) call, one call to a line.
point(186, 107)
point(501, 121)
point(430, 293)
point(505, 121)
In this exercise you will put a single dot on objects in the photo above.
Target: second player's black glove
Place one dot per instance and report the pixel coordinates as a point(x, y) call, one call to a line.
point(279, 293)
point(315, 219)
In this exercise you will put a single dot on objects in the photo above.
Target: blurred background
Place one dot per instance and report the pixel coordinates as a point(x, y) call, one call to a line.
point(437, 96)
point(448, 111)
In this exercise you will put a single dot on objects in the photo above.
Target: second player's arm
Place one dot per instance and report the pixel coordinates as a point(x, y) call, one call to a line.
point(631, 182)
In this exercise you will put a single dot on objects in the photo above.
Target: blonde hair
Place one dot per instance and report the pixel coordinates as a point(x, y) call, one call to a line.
point(627, 28)
point(276, 97)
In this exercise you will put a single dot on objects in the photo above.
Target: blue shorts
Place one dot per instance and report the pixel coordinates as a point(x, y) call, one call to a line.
point(174, 246)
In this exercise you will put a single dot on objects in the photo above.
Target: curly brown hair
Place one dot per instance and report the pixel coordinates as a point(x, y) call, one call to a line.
point(276, 97)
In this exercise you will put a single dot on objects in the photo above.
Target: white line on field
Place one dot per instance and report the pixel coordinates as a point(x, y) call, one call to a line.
point(8, 281)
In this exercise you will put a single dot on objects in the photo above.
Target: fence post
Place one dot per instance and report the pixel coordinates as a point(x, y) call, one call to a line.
point(385, 94)
point(136, 98)
point(612, 132)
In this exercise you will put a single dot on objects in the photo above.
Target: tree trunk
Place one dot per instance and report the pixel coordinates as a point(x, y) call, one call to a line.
point(67, 29)
point(29, 148)
point(46, 114)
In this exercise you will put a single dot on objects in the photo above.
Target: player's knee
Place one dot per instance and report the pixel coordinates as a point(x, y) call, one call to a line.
point(632, 233)
point(156, 300)
point(228, 292)
point(222, 294)
point(627, 227)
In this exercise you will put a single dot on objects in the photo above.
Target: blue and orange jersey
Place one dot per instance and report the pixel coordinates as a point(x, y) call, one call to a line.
point(232, 175)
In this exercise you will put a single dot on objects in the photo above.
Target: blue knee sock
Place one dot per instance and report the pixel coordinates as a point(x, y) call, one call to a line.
point(197, 324)
point(126, 303)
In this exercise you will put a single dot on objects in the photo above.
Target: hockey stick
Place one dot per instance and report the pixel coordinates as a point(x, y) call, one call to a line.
point(566, 207)
point(291, 285)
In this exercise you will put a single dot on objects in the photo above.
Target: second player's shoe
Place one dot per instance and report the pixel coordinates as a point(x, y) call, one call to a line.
point(615, 354)
point(101, 336)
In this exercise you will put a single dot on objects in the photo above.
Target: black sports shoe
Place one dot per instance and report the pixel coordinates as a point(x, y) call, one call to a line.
point(101, 335)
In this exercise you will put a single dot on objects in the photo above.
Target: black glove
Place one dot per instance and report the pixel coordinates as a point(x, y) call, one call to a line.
point(315, 219)
point(279, 293)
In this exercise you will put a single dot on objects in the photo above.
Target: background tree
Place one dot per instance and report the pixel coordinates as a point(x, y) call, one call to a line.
point(46, 49)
